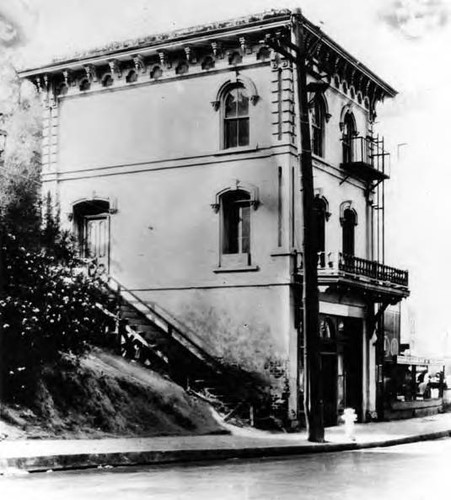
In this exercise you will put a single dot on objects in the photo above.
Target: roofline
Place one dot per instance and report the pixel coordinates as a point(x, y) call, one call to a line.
point(197, 33)
point(218, 30)
point(391, 92)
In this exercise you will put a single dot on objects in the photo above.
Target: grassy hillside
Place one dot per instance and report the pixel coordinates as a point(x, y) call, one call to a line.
point(106, 395)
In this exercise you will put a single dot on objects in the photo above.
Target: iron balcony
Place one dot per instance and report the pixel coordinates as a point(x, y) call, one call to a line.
point(365, 157)
point(348, 272)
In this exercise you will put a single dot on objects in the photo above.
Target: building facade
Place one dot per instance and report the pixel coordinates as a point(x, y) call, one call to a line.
point(175, 161)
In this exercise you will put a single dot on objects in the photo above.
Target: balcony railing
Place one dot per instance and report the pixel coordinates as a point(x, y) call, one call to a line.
point(365, 156)
point(359, 267)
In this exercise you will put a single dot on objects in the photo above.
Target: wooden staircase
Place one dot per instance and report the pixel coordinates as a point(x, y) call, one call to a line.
point(150, 335)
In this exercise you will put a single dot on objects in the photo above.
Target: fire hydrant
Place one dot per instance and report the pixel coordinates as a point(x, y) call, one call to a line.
point(349, 417)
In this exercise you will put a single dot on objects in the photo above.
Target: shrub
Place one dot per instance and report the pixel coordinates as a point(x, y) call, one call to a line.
point(48, 308)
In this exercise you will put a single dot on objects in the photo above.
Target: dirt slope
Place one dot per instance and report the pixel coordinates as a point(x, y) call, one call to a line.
point(107, 395)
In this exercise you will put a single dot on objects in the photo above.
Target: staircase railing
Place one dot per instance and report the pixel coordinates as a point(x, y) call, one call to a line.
point(132, 344)
point(161, 318)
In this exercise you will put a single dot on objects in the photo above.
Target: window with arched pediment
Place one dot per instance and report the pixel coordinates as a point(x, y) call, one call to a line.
point(235, 206)
point(349, 131)
point(320, 215)
point(235, 100)
point(318, 115)
point(236, 116)
point(236, 222)
point(348, 223)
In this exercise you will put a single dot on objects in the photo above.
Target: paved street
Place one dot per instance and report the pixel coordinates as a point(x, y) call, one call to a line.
point(415, 471)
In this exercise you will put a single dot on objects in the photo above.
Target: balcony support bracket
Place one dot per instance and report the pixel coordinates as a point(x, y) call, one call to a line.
point(382, 308)
point(345, 179)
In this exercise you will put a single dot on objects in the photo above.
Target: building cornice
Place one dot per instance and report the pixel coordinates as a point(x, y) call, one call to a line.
point(191, 47)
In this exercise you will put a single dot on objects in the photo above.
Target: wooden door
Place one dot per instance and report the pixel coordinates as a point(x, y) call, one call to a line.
point(97, 241)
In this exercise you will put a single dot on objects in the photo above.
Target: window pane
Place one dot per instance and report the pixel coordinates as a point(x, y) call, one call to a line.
point(245, 229)
point(236, 222)
point(231, 104)
point(230, 133)
point(243, 103)
point(348, 232)
point(243, 131)
point(231, 227)
point(317, 140)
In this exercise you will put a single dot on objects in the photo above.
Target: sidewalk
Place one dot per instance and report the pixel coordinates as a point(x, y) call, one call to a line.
point(42, 455)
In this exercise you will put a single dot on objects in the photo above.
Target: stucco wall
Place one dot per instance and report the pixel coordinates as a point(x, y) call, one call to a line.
point(159, 120)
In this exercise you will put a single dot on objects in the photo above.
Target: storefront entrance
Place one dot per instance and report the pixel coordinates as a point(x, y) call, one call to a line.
point(352, 349)
point(341, 366)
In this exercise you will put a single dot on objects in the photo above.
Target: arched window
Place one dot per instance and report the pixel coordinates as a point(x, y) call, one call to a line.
point(234, 205)
point(318, 126)
point(319, 229)
point(236, 117)
point(236, 222)
point(349, 221)
point(349, 132)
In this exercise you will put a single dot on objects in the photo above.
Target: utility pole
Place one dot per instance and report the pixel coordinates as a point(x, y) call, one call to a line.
point(313, 398)
point(2, 270)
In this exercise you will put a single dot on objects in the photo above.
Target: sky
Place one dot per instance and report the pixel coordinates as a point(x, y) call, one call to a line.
point(404, 41)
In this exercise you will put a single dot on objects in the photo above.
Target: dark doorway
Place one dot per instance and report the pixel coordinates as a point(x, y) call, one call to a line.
point(352, 364)
point(329, 369)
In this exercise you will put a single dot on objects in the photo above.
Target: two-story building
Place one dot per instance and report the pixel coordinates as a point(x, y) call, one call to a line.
point(175, 159)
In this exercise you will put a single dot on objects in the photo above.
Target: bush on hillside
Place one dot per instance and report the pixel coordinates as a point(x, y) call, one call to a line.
point(46, 307)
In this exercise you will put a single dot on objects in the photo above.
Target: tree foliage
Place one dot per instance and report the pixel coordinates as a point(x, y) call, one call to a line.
point(47, 306)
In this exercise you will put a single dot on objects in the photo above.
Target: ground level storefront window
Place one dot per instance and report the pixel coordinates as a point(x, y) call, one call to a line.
point(413, 379)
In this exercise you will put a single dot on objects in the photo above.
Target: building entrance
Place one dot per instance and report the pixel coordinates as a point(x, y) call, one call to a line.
point(341, 366)
point(92, 227)
point(352, 349)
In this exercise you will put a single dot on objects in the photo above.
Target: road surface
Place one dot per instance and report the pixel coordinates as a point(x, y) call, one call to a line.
point(414, 471)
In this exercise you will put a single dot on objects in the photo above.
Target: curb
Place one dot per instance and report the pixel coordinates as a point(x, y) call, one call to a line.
point(124, 459)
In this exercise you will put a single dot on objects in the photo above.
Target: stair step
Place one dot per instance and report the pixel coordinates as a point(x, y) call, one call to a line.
point(164, 341)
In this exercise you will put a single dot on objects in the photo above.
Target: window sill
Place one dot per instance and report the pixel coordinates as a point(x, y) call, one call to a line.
point(236, 269)
point(237, 150)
